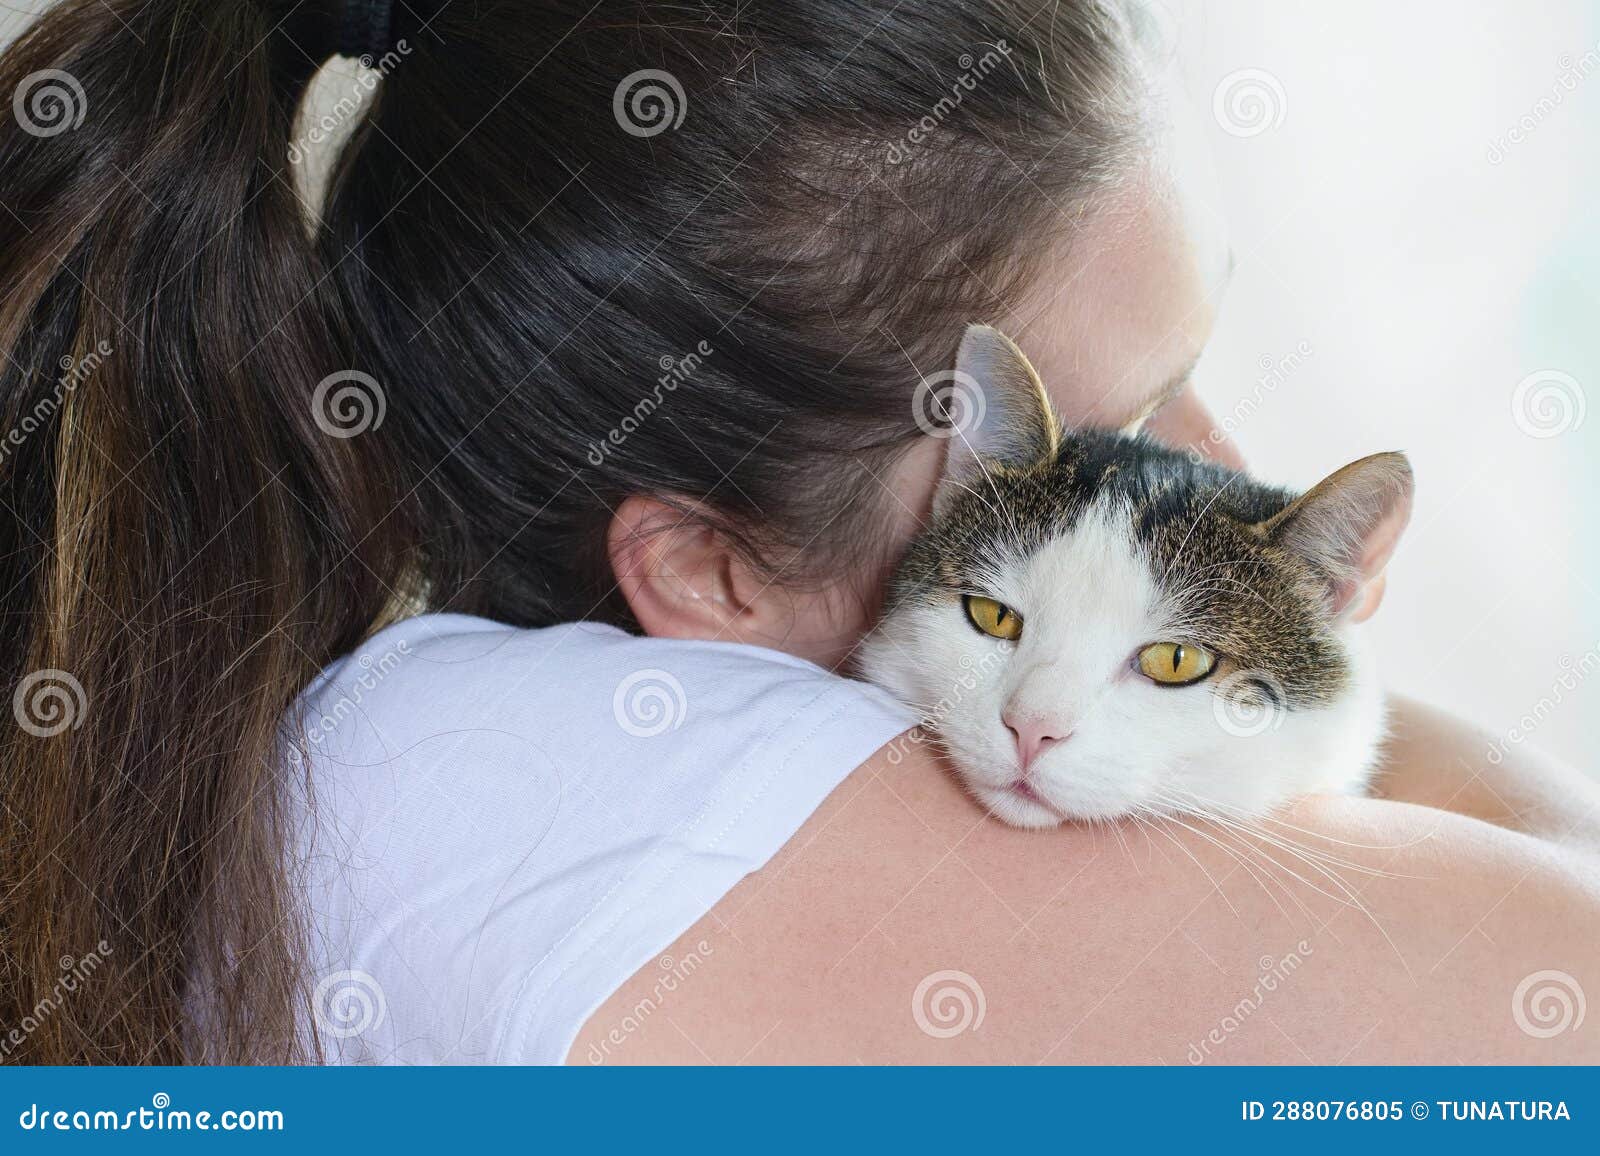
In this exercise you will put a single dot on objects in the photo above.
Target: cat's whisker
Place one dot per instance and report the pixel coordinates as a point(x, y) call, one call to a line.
point(1241, 860)
point(1136, 816)
point(1352, 898)
point(1149, 825)
point(1230, 838)
point(1116, 831)
point(1361, 867)
point(1247, 816)
point(1376, 871)
point(1249, 822)
point(1347, 895)
point(1193, 806)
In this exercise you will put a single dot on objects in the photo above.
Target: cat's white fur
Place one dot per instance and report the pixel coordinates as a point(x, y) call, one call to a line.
point(1090, 600)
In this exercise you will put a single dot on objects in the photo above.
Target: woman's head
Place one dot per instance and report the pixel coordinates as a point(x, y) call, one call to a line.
point(660, 373)
point(651, 290)
point(1115, 315)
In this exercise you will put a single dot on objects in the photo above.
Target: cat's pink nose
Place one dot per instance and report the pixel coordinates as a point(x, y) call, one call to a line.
point(1034, 734)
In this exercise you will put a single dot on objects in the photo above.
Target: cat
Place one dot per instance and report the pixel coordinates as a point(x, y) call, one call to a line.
point(1096, 626)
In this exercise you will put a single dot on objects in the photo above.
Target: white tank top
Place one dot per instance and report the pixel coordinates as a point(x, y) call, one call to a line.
point(505, 825)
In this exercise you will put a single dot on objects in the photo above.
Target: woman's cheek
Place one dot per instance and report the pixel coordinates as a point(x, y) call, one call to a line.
point(1186, 423)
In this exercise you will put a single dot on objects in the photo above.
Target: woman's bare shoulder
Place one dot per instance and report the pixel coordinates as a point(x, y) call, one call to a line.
point(901, 924)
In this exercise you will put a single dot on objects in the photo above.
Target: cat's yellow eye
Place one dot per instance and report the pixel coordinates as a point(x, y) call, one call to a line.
point(993, 618)
point(1175, 663)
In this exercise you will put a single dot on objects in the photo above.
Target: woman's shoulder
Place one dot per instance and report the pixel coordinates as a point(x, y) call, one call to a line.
point(901, 925)
point(519, 818)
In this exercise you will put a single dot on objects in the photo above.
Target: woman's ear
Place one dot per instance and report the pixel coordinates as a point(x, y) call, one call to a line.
point(680, 578)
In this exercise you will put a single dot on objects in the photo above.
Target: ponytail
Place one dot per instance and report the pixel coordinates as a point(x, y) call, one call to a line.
point(182, 542)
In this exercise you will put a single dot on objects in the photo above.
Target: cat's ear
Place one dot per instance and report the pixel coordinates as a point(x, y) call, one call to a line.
point(1347, 525)
point(1004, 417)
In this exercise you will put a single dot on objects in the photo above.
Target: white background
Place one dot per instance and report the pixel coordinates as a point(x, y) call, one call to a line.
point(1429, 271)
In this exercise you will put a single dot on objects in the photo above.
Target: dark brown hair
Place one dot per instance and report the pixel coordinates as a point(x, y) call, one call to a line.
point(237, 444)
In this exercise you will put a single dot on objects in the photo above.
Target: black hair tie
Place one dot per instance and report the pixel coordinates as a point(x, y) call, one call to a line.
point(366, 28)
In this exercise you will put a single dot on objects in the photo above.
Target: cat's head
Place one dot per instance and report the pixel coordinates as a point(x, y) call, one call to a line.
point(1095, 625)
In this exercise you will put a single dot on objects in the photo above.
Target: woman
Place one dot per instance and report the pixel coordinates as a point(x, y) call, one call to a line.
point(556, 352)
